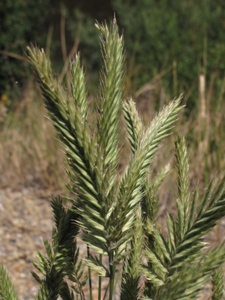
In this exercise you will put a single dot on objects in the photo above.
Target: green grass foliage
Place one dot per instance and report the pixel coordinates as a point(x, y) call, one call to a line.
point(116, 215)
point(21, 23)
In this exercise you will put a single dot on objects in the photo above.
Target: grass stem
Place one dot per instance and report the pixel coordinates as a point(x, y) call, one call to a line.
point(112, 276)
point(100, 281)
point(89, 275)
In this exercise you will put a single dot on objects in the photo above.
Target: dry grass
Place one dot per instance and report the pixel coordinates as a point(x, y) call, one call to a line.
point(29, 151)
point(31, 155)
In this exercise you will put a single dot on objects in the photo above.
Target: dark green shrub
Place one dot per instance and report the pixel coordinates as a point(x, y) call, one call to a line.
point(22, 22)
point(160, 33)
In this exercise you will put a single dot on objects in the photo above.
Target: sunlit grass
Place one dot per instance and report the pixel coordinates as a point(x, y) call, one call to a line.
point(29, 152)
point(31, 155)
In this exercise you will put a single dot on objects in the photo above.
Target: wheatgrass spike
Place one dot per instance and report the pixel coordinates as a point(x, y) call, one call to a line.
point(134, 124)
point(183, 202)
point(78, 86)
point(110, 96)
point(134, 177)
point(131, 268)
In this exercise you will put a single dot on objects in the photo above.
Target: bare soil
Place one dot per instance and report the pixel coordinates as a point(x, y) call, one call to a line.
point(25, 220)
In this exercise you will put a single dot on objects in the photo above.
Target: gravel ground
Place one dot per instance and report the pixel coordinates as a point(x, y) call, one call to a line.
point(25, 220)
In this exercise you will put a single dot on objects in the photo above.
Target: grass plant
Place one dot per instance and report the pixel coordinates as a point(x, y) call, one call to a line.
point(116, 215)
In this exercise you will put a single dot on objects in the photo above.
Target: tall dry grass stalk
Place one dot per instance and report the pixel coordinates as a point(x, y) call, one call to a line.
point(202, 117)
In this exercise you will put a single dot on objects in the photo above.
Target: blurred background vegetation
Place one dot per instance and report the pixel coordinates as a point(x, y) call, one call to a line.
point(172, 47)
